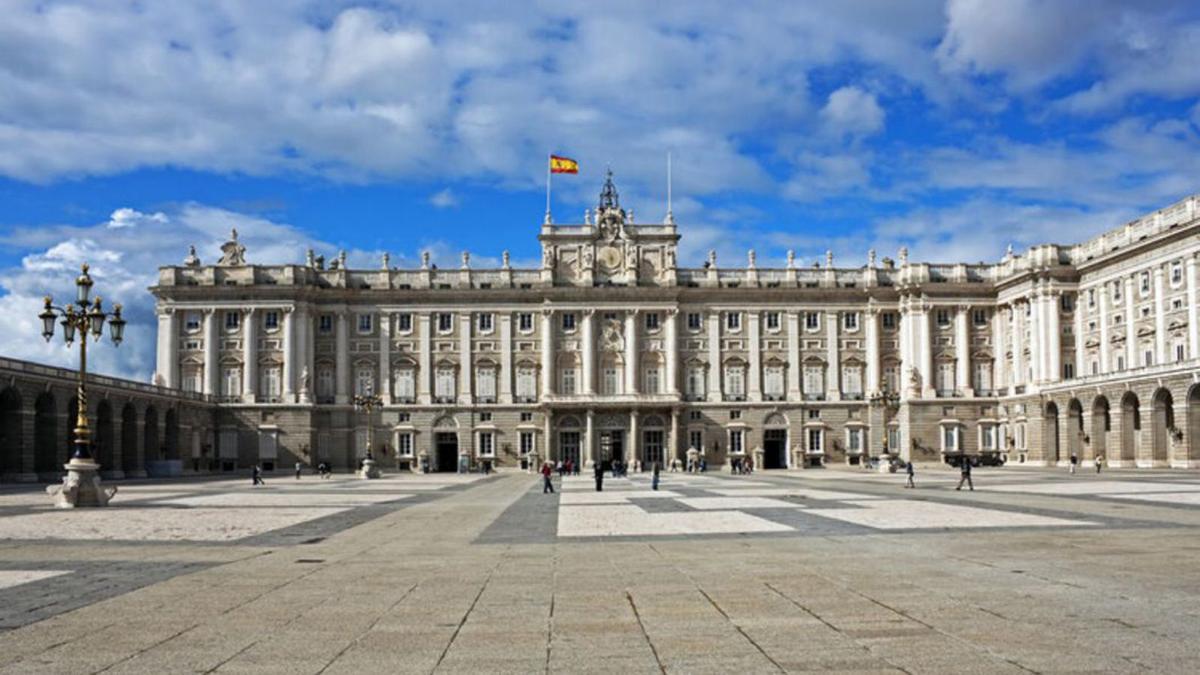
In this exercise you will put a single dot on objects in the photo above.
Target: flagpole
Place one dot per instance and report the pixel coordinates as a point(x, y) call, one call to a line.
point(547, 189)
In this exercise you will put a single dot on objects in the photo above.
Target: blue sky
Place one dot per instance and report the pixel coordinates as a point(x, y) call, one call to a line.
point(130, 130)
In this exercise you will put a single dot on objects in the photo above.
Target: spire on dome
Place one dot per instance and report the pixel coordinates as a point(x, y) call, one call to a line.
point(608, 195)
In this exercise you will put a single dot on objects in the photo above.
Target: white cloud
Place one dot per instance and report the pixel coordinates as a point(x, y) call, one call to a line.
point(851, 110)
point(444, 199)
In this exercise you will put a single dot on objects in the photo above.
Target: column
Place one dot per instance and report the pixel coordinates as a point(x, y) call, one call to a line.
point(1018, 346)
point(425, 358)
point(714, 356)
point(589, 439)
point(1189, 272)
point(673, 442)
point(635, 445)
point(833, 380)
point(631, 352)
point(303, 348)
point(342, 387)
point(1080, 347)
point(385, 357)
point(289, 357)
point(1102, 291)
point(925, 350)
point(1160, 317)
point(962, 351)
point(168, 347)
point(871, 330)
point(1130, 325)
point(1036, 336)
point(506, 360)
point(907, 355)
point(1000, 340)
point(547, 352)
point(793, 347)
point(211, 386)
point(755, 379)
point(466, 363)
point(249, 355)
point(671, 345)
point(1054, 334)
point(547, 443)
point(588, 331)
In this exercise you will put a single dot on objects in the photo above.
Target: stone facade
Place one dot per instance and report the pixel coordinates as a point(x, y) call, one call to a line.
point(609, 349)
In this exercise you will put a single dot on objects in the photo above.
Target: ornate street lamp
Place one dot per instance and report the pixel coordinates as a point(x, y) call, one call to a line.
point(369, 402)
point(81, 487)
point(890, 402)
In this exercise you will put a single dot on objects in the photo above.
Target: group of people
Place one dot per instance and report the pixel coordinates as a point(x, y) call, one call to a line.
point(740, 466)
point(1075, 462)
point(567, 468)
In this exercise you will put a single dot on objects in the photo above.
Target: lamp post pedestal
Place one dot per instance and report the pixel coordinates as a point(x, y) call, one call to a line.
point(369, 470)
point(81, 486)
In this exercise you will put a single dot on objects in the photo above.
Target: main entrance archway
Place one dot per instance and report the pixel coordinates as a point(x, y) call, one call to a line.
point(1162, 426)
point(445, 445)
point(774, 445)
point(1050, 433)
point(1131, 426)
point(1075, 428)
point(1101, 425)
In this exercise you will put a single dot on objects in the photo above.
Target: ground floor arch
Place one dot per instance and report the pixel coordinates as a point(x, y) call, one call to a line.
point(1101, 425)
point(1075, 429)
point(1050, 433)
point(1131, 426)
point(130, 457)
point(1162, 426)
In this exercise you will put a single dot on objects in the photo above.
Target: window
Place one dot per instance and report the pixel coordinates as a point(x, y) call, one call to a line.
point(695, 415)
point(1148, 358)
point(1145, 283)
point(1180, 351)
point(1068, 371)
point(1116, 291)
point(942, 316)
point(525, 442)
point(735, 382)
point(568, 322)
point(1176, 274)
point(568, 381)
point(982, 381)
point(987, 436)
point(325, 385)
point(191, 322)
point(772, 320)
point(735, 414)
point(526, 383)
point(325, 324)
point(271, 320)
point(815, 440)
point(232, 320)
point(950, 438)
point(231, 382)
point(891, 378)
point(404, 445)
point(1120, 362)
point(814, 414)
point(364, 323)
point(652, 380)
point(854, 440)
point(945, 378)
point(735, 441)
point(406, 385)
point(693, 321)
point(484, 322)
point(893, 436)
point(364, 381)
point(814, 382)
point(889, 319)
point(852, 381)
point(652, 321)
point(525, 322)
point(733, 320)
point(979, 317)
point(812, 321)
point(487, 445)
point(445, 322)
point(269, 383)
point(485, 384)
point(696, 439)
point(1066, 303)
point(610, 381)
point(1091, 298)
point(404, 322)
point(850, 321)
point(444, 382)
point(526, 417)
point(694, 386)
point(773, 383)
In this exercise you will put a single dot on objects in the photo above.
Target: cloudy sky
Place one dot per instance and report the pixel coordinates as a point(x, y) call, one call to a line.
point(129, 130)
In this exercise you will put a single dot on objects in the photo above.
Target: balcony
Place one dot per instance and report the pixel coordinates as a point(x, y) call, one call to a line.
point(526, 399)
point(773, 397)
point(735, 397)
point(444, 399)
point(403, 400)
point(485, 399)
point(814, 396)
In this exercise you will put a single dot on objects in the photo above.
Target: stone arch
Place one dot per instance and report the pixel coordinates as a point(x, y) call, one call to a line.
point(1193, 422)
point(1131, 426)
point(1075, 428)
point(45, 434)
point(445, 422)
point(171, 433)
point(653, 421)
point(12, 433)
point(130, 460)
point(569, 422)
point(1162, 425)
point(776, 419)
point(1101, 425)
point(1050, 433)
point(151, 442)
point(102, 437)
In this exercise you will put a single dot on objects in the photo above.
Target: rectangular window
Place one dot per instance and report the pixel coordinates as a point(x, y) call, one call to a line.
point(1116, 291)
point(733, 320)
point(404, 445)
point(695, 383)
point(852, 381)
point(983, 377)
point(445, 322)
point(1145, 283)
point(735, 382)
point(270, 383)
point(1091, 298)
point(693, 321)
point(525, 442)
point(735, 441)
point(945, 378)
point(325, 324)
point(568, 381)
point(406, 385)
point(772, 320)
point(610, 381)
point(814, 381)
point(979, 317)
point(773, 382)
point(364, 381)
point(653, 378)
point(1180, 351)
point(854, 444)
point(812, 321)
point(444, 384)
point(987, 436)
point(1067, 303)
point(485, 384)
point(364, 323)
point(524, 322)
point(942, 316)
point(485, 323)
point(404, 322)
point(850, 321)
point(526, 417)
point(889, 319)
point(696, 439)
point(191, 322)
point(652, 321)
point(891, 379)
point(568, 322)
point(1148, 358)
point(271, 320)
point(1176, 274)
point(231, 382)
point(487, 447)
point(232, 320)
point(815, 438)
point(526, 384)
point(950, 438)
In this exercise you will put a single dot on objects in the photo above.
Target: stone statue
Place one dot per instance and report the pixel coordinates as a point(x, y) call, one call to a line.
point(829, 258)
point(386, 261)
point(751, 257)
point(233, 254)
point(310, 259)
point(871, 257)
point(191, 260)
point(587, 216)
point(712, 257)
point(466, 260)
point(791, 259)
point(305, 380)
point(424, 260)
point(548, 257)
point(588, 253)
point(903, 256)
point(670, 258)
point(342, 259)
point(504, 260)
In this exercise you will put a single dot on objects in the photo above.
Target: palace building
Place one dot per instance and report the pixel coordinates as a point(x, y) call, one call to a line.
point(610, 350)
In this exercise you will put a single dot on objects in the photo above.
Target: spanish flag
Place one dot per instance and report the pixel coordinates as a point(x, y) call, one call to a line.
point(563, 165)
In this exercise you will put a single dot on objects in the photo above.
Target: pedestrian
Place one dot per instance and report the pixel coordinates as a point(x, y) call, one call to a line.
point(965, 475)
point(299, 466)
point(703, 465)
point(599, 477)
point(559, 468)
point(908, 481)
point(256, 476)
point(547, 484)
point(575, 466)
point(654, 477)
point(1074, 462)
point(1099, 462)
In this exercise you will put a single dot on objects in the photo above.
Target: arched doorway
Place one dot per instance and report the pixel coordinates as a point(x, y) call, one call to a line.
point(151, 446)
point(130, 459)
point(445, 444)
point(1131, 426)
point(1162, 425)
point(12, 440)
point(1050, 433)
point(171, 434)
point(45, 434)
point(102, 437)
point(1193, 422)
point(1101, 425)
point(654, 442)
point(1075, 428)
point(775, 430)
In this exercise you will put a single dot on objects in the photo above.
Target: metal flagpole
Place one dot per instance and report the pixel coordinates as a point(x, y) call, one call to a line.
point(548, 188)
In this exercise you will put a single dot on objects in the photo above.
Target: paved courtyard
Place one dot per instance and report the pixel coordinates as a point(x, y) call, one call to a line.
point(832, 570)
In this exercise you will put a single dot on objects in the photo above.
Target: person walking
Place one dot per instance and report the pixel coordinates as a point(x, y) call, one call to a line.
point(1099, 462)
point(547, 484)
point(908, 470)
point(299, 466)
point(1074, 462)
point(654, 477)
point(965, 475)
point(599, 477)
point(256, 476)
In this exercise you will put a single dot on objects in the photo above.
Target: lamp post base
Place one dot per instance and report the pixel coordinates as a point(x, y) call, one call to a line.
point(81, 487)
point(369, 470)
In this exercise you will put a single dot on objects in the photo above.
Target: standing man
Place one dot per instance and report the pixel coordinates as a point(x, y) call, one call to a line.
point(908, 469)
point(654, 477)
point(547, 484)
point(599, 477)
point(256, 476)
point(1099, 462)
point(1074, 462)
point(299, 466)
point(965, 475)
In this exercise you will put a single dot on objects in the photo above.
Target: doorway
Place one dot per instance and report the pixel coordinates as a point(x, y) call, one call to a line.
point(774, 448)
point(445, 445)
point(568, 447)
point(612, 447)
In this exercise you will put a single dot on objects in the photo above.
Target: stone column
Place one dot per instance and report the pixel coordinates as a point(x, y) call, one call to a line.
point(425, 359)
point(249, 355)
point(168, 347)
point(466, 364)
point(631, 352)
point(793, 347)
point(962, 351)
point(1054, 334)
point(1080, 348)
point(506, 360)
point(342, 379)
point(1189, 275)
point(211, 372)
point(1018, 347)
point(1036, 336)
point(635, 445)
point(714, 356)
point(1130, 325)
point(673, 442)
point(547, 443)
point(589, 439)
point(999, 337)
point(908, 361)
point(588, 331)
point(925, 348)
point(671, 345)
point(755, 379)
point(385, 357)
point(303, 350)
point(1102, 291)
point(547, 352)
point(871, 330)
point(289, 357)
point(1160, 317)
point(833, 380)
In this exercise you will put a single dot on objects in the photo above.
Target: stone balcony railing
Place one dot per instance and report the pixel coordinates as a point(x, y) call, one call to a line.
point(97, 381)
